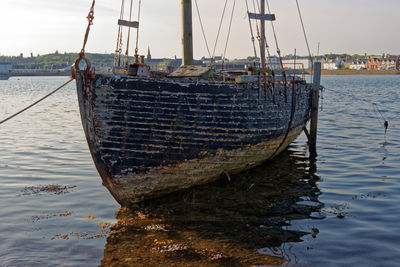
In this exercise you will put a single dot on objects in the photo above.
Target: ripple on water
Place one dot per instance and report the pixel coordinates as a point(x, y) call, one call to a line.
point(341, 211)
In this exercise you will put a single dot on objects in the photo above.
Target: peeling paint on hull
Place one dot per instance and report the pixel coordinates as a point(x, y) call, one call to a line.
point(150, 137)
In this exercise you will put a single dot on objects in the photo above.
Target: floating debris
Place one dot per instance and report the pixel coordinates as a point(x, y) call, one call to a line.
point(368, 195)
point(104, 225)
point(50, 189)
point(50, 214)
point(338, 210)
point(314, 232)
point(103, 232)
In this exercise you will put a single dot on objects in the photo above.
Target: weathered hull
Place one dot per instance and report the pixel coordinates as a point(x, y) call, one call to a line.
point(150, 137)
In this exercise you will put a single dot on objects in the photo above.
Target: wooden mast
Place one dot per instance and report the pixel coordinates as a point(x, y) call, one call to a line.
point(187, 38)
point(262, 44)
point(262, 17)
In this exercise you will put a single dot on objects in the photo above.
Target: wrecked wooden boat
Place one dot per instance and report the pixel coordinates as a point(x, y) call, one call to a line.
point(150, 136)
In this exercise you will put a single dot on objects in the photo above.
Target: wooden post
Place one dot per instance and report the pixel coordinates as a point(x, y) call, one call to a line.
point(314, 109)
point(187, 38)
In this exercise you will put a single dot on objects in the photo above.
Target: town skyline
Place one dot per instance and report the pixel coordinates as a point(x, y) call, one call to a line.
point(342, 54)
point(45, 26)
point(57, 62)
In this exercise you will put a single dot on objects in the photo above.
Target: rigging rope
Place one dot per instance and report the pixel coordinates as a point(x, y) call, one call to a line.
point(202, 28)
point(278, 50)
point(137, 30)
point(129, 35)
point(258, 30)
point(219, 30)
point(259, 35)
point(229, 32)
point(118, 49)
point(37, 102)
point(292, 113)
point(305, 36)
point(251, 30)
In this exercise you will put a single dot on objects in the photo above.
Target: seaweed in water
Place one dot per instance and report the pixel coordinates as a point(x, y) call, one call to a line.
point(51, 189)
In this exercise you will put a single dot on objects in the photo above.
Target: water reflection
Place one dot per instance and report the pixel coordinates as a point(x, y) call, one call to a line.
point(240, 222)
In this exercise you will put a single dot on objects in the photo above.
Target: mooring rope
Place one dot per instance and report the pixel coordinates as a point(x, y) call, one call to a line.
point(377, 113)
point(37, 102)
point(385, 122)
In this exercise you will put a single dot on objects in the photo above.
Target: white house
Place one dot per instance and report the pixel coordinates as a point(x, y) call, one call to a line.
point(300, 63)
point(329, 65)
point(357, 65)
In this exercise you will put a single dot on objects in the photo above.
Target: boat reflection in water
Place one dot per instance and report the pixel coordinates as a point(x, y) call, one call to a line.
point(243, 221)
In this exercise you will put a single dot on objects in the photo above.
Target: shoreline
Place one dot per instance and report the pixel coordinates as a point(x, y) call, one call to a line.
point(43, 73)
point(360, 72)
point(323, 72)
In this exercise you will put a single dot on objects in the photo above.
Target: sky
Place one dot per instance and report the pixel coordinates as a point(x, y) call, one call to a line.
point(340, 26)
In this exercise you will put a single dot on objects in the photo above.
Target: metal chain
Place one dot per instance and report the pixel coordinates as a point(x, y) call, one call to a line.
point(137, 30)
point(90, 18)
point(129, 35)
point(118, 49)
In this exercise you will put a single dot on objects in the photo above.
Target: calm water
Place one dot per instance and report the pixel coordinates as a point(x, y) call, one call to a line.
point(343, 210)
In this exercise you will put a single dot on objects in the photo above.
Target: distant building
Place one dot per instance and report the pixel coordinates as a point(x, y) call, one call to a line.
point(148, 54)
point(237, 64)
point(301, 63)
point(329, 64)
point(5, 70)
point(177, 62)
point(207, 61)
point(385, 62)
point(358, 64)
point(154, 63)
point(373, 63)
point(274, 62)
